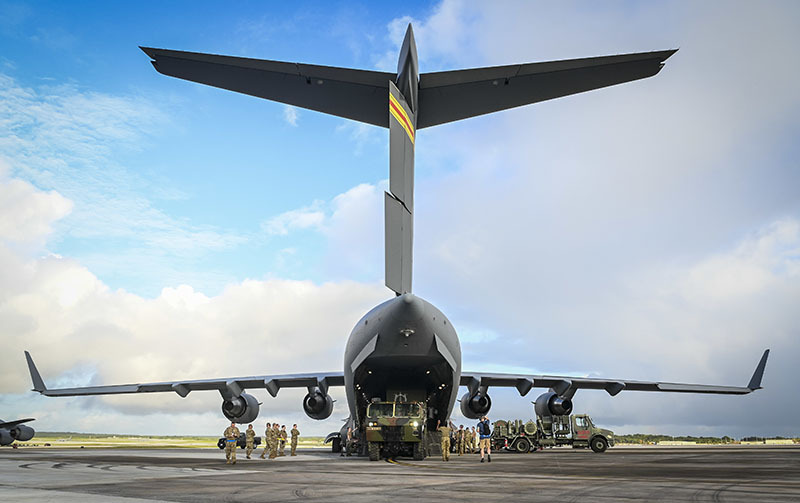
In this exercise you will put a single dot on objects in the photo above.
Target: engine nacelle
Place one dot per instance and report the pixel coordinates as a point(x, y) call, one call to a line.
point(550, 404)
point(5, 437)
point(318, 405)
point(22, 433)
point(475, 406)
point(242, 409)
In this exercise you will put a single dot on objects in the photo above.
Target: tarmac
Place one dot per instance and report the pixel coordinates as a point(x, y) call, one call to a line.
point(731, 474)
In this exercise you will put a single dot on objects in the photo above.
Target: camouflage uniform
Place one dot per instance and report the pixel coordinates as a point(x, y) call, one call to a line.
point(267, 433)
point(231, 438)
point(295, 436)
point(445, 431)
point(282, 442)
point(475, 439)
point(249, 438)
point(273, 446)
point(460, 438)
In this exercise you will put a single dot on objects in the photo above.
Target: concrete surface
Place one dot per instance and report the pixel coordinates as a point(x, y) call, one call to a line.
point(622, 474)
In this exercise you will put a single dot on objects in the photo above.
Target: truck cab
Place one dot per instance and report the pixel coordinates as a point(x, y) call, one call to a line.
point(394, 429)
point(576, 430)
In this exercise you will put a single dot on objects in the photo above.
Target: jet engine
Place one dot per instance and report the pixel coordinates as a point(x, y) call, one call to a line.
point(6, 438)
point(22, 432)
point(475, 406)
point(242, 409)
point(550, 404)
point(318, 405)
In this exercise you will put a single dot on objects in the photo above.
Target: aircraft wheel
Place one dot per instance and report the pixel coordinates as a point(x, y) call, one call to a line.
point(599, 444)
point(336, 445)
point(374, 451)
point(523, 445)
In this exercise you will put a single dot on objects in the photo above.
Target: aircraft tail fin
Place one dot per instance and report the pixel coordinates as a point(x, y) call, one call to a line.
point(399, 201)
point(38, 383)
point(758, 374)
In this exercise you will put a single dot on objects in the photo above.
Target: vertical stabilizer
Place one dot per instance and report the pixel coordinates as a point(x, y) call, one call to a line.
point(399, 201)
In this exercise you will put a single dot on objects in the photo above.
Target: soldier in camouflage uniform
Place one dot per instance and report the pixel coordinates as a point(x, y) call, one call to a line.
point(295, 436)
point(266, 441)
point(273, 447)
point(460, 439)
point(474, 440)
point(249, 439)
point(231, 437)
point(445, 431)
point(282, 440)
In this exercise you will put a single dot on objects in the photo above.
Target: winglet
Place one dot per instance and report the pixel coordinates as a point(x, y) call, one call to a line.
point(755, 381)
point(38, 383)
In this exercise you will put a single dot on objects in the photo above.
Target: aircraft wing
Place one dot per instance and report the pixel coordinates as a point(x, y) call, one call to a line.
point(353, 94)
point(230, 386)
point(11, 424)
point(566, 386)
point(454, 95)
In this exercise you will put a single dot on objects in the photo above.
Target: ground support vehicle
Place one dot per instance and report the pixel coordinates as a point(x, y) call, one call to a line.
point(241, 443)
point(576, 430)
point(515, 435)
point(395, 429)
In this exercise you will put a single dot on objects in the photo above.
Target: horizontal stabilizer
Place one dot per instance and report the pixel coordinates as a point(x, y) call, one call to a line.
point(344, 92)
point(454, 95)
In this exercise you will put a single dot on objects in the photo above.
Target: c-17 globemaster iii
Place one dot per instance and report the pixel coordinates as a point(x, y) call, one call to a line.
point(405, 348)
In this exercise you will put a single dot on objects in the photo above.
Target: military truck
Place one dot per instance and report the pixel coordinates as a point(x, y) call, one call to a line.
point(515, 435)
point(241, 443)
point(395, 429)
point(576, 430)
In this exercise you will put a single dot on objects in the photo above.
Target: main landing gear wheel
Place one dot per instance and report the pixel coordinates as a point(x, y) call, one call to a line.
point(374, 451)
point(336, 445)
point(599, 444)
point(523, 445)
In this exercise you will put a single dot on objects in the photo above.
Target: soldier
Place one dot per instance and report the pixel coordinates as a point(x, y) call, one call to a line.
point(445, 431)
point(231, 438)
point(266, 441)
point(467, 441)
point(249, 439)
point(460, 438)
point(282, 439)
point(475, 440)
point(273, 448)
point(348, 442)
point(295, 436)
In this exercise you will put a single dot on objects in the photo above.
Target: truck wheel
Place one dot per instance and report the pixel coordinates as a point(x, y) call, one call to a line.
point(374, 451)
point(419, 453)
point(336, 445)
point(221, 443)
point(523, 445)
point(599, 444)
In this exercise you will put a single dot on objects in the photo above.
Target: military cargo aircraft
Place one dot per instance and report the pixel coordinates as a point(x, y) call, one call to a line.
point(404, 347)
point(15, 430)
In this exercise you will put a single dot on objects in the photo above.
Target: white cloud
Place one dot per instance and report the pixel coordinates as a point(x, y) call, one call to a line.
point(27, 214)
point(308, 217)
point(291, 115)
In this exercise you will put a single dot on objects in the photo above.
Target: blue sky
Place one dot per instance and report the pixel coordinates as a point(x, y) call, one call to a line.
point(649, 230)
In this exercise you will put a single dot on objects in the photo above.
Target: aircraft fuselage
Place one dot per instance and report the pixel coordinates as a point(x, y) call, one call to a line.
point(403, 349)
